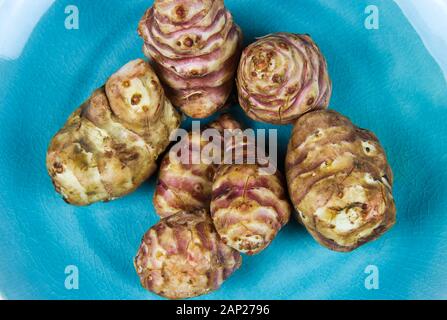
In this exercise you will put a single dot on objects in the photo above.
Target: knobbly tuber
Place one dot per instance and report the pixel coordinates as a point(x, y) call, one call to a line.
point(282, 76)
point(196, 48)
point(186, 186)
point(182, 256)
point(249, 204)
point(110, 145)
point(339, 181)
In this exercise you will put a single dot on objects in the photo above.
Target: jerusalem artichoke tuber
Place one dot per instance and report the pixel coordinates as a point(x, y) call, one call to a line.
point(196, 47)
point(282, 76)
point(249, 204)
point(182, 256)
point(339, 181)
point(110, 145)
point(187, 186)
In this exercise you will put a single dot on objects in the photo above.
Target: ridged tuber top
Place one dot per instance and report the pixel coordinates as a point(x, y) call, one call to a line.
point(248, 207)
point(282, 76)
point(196, 47)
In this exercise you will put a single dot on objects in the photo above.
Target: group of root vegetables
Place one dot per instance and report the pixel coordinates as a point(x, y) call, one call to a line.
point(337, 174)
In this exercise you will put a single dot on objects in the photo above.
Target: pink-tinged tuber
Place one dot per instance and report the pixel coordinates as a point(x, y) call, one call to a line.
point(182, 256)
point(282, 76)
point(249, 203)
point(339, 181)
point(187, 186)
point(196, 47)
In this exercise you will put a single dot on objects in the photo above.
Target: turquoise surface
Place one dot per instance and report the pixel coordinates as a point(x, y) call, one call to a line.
point(385, 80)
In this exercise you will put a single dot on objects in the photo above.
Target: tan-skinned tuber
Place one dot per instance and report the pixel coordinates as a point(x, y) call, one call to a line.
point(110, 145)
point(339, 181)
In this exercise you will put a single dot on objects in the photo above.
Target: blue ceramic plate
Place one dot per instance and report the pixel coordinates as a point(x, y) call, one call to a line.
point(384, 79)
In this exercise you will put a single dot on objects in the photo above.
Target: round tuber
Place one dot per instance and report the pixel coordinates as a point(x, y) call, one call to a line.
point(282, 76)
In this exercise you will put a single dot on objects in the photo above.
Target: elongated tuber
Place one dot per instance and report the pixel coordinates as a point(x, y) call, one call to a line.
point(196, 47)
point(282, 76)
point(339, 181)
point(110, 145)
point(187, 186)
point(182, 256)
point(249, 204)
